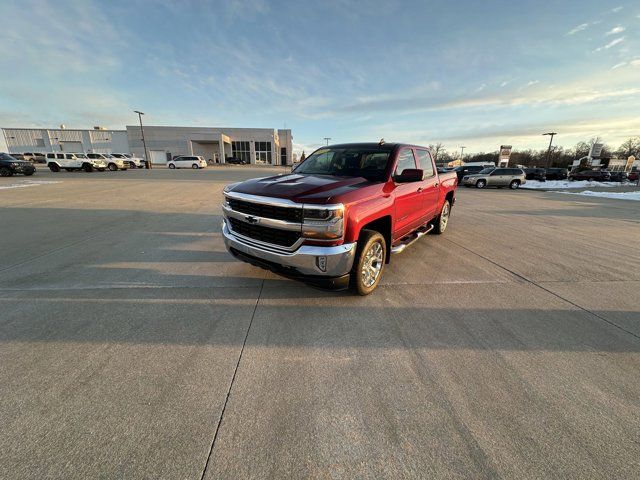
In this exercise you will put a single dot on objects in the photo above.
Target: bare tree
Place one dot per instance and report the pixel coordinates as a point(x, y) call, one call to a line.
point(629, 147)
point(436, 149)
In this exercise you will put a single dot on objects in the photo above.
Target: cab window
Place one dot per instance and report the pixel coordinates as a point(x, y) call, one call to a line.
point(425, 162)
point(405, 160)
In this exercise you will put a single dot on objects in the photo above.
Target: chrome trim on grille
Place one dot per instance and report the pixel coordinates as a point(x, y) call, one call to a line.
point(277, 202)
point(263, 221)
point(264, 245)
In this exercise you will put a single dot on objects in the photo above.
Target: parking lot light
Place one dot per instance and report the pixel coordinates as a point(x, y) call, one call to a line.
point(147, 161)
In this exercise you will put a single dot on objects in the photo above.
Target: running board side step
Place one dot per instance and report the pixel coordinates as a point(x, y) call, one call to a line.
point(409, 239)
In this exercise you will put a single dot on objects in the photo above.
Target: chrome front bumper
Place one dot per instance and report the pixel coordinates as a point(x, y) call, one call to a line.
point(304, 261)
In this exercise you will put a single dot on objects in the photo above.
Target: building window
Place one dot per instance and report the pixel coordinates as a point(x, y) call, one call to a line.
point(283, 155)
point(241, 150)
point(263, 152)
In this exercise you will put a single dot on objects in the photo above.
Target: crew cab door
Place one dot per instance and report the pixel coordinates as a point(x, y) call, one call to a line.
point(430, 185)
point(408, 197)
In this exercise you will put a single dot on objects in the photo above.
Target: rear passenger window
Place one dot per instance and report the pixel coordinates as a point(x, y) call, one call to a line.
point(59, 155)
point(425, 163)
point(405, 160)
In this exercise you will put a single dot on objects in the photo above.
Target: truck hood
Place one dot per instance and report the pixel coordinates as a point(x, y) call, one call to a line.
point(301, 188)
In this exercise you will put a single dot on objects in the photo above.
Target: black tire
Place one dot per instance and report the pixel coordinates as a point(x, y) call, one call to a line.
point(481, 183)
point(112, 167)
point(172, 166)
point(514, 185)
point(54, 167)
point(442, 220)
point(195, 166)
point(367, 254)
point(28, 174)
point(5, 172)
point(87, 167)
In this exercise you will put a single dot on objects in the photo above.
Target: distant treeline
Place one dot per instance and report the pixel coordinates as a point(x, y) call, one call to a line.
point(558, 157)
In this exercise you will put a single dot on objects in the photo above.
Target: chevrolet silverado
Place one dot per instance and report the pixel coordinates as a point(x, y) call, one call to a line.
point(335, 220)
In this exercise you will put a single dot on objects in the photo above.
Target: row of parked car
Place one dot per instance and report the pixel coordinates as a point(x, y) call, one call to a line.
point(543, 174)
point(57, 161)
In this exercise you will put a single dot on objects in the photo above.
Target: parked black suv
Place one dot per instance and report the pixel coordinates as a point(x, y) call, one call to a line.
point(235, 160)
point(595, 175)
point(557, 173)
point(619, 176)
point(10, 166)
point(535, 174)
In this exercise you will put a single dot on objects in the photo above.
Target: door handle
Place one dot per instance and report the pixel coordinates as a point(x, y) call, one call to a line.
point(436, 184)
point(420, 189)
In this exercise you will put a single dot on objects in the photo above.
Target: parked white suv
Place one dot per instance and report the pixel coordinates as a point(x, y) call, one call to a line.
point(185, 161)
point(57, 161)
point(134, 162)
point(112, 162)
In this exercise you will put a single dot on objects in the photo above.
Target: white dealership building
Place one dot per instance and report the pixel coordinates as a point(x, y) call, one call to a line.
point(215, 144)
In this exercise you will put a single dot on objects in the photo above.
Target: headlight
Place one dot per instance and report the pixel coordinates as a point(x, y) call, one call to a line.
point(323, 222)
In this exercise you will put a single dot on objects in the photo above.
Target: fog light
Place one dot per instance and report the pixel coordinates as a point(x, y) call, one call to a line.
point(321, 262)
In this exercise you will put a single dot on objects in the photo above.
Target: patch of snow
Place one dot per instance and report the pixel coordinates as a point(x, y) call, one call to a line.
point(562, 184)
point(615, 195)
point(27, 183)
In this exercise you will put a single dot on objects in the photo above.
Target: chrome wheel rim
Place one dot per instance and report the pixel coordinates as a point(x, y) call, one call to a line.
point(372, 264)
point(444, 216)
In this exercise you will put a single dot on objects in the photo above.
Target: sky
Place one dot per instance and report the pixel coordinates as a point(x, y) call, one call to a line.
point(464, 73)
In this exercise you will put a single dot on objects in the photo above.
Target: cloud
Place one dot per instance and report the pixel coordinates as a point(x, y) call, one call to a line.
point(577, 29)
point(480, 88)
point(615, 31)
point(617, 9)
point(505, 83)
point(635, 63)
point(618, 65)
point(532, 82)
point(612, 43)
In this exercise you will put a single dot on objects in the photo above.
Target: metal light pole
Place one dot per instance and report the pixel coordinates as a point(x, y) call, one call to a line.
point(327, 140)
point(551, 134)
point(462, 152)
point(147, 161)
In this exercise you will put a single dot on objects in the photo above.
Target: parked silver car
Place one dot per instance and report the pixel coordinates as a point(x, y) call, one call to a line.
point(496, 177)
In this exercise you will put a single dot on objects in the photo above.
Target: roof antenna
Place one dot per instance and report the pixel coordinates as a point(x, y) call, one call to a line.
point(381, 141)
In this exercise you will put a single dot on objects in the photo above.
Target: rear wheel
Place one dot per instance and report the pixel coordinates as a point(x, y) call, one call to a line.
point(481, 183)
point(172, 166)
point(514, 185)
point(5, 172)
point(369, 262)
point(195, 166)
point(443, 219)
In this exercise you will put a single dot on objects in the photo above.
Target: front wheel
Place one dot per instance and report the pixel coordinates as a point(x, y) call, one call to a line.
point(172, 166)
point(443, 219)
point(195, 166)
point(369, 263)
point(112, 167)
point(5, 172)
point(87, 167)
point(53, 167)
point(514, 185)
point(481, 183)
point(28, 174)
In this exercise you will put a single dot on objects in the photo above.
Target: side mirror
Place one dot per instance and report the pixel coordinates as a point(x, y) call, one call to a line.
point(409, 175)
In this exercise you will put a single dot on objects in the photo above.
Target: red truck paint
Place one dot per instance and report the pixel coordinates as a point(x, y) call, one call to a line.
point(405, 207)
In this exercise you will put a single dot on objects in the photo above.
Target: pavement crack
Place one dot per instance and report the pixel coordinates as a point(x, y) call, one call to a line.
point(233, 379)
point(532, 282)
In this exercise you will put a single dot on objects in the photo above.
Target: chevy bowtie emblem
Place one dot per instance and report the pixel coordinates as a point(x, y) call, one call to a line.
point(251, 219)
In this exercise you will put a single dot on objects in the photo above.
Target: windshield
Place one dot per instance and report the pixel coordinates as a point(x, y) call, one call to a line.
point(370, 163)
point(6, 156)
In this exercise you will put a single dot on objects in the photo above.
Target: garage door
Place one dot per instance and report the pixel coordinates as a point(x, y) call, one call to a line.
point(158, 157)
point(72, 147)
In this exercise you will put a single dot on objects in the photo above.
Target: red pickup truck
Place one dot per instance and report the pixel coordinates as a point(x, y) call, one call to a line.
point(335, 220)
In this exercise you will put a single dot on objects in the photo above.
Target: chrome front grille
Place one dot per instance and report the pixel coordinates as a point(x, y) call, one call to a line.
point(289, 214)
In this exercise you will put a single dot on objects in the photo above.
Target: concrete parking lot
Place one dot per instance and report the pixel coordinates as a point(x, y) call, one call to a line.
point(133, 346)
